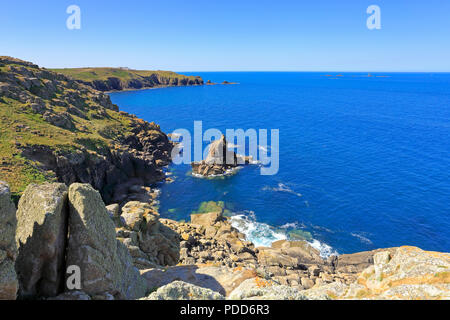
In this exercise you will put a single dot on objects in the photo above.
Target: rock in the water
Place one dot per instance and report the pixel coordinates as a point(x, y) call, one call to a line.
point(219, 160)
point(261, 289)
point(179, 290)
point(41, 237)
point(105, 263)
point(8, 250)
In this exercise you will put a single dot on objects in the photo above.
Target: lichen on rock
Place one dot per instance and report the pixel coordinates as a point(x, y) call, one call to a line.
point(105, 263)
point(8, 250)
point(179, 290)
point(41, 238)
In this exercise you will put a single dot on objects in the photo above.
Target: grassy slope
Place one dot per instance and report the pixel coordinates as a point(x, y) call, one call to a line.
point(91, 74)
point(21, 127)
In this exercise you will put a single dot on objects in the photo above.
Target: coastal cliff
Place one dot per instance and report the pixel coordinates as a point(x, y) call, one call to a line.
point(57, 129)
point(80, 172)
point(118, 79)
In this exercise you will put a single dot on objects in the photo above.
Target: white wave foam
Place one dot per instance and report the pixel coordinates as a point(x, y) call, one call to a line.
point(228, 172)
point(293, 225)
point(264, 148)
point(263, 235)
point(361, 238)
point(232, 146)
point(324, 249)
point(283, 188)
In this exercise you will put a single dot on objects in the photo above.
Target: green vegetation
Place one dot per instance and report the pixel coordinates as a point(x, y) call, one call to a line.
point(90, 74)
point(122, 78)
point(96, 125)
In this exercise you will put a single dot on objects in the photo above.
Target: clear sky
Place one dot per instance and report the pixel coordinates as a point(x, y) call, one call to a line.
point(229, 35)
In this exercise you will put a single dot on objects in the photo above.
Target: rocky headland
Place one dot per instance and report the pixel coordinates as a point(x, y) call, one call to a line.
point(119, 79)
point(57, 129)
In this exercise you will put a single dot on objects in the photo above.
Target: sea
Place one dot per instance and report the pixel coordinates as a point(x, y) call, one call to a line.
point(364, 159)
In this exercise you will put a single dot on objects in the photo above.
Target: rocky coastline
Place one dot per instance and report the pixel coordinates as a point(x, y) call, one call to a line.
point(89, 204)
point(123, 79)
point(58, 129)
point(150, 258)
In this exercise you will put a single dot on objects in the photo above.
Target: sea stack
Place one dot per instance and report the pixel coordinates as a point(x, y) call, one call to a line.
point(219, 160)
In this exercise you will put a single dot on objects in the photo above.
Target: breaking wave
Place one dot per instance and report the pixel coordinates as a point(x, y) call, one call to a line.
point(263, 235)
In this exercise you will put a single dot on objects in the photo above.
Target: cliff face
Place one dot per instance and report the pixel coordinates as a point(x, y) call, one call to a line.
point(117, 79)
point(55, 128)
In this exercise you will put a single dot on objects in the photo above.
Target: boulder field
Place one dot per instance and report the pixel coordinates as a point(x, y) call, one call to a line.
point(129, 252)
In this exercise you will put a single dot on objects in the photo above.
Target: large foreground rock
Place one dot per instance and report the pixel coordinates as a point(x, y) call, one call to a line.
point(179, 290)
point(105, 263)
point(8, 249)
point(41, 237)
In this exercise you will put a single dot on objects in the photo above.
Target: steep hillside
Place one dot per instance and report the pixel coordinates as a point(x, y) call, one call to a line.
point(55, 128)
point(110, 79)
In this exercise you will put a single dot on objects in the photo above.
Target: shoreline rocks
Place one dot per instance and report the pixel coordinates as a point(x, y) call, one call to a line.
point(204, 259)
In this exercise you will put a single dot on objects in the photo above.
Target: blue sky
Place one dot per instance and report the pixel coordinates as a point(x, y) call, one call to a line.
point(245, 35)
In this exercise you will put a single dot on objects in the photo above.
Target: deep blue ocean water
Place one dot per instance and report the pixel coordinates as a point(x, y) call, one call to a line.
point(364, 161)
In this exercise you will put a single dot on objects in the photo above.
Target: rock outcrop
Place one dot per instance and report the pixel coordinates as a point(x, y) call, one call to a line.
point(179, 290)
point(8, 250)
point(106, 266)
point(41, 236)
point(110, 79)
point(66, 131)
point(219, 161)
point(151, 243)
